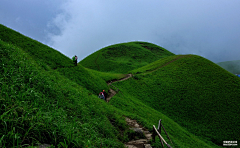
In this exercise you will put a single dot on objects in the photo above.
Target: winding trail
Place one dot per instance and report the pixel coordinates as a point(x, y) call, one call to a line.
point(139, 129)
point(112, 92)
point(137, 143)
point(122, 79)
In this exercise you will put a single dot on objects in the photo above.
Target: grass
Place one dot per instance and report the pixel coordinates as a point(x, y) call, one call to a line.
point(84, 78)
point(106, 76)
point(121, 58)
point(44, 98)
point(40, 106)
point(38, 51)
point(135, 109)
point(195, 93)
point(156, 64)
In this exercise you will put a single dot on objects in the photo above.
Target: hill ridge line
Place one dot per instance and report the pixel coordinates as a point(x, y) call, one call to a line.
point(167, 63)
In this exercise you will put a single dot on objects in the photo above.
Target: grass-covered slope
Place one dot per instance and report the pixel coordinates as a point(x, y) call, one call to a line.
point(194, 92)
point(43, 100)
point(137, 109)
point(37, 50)
point(121, 58)
point(49, 58)
point(38, 106)
point(231, 66)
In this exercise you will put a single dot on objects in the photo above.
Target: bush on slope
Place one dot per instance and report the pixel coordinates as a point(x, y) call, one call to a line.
point(194, 92)
point(121, 58)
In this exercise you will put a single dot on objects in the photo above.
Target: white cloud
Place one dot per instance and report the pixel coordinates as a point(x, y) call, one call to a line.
point(201, 27)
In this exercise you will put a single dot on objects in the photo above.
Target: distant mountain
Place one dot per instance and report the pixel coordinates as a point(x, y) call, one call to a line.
point(231, 66)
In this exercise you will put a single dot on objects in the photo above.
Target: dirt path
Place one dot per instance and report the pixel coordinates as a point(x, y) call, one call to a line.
point(135, 142)
point(139, 129)
point(125, 78)
point(167, 63)
point(111, 92)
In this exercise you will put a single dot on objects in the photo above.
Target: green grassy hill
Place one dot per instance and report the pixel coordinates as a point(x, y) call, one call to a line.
point(121, 58)
point(231, 66)
point(194, 92)
point(44, 98)
point(38, 51)
point(50, 59)
point(46, 107)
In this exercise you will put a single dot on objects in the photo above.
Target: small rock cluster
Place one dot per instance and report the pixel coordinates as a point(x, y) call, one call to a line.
point(138, 143)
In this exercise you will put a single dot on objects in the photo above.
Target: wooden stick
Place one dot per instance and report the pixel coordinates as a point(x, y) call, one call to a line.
point(159, 124)
point(166, 133)
point(161, 136)
point(159, 129)
point(153, 135)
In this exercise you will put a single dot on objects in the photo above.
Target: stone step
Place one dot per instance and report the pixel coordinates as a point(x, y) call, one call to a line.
point(146, 132)
point(140, 141)
point(147, 146)
point(130, 146)
point(148, 136)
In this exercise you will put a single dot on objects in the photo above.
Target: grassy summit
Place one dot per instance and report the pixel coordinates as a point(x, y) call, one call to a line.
point(44, 98)
point(124, 57)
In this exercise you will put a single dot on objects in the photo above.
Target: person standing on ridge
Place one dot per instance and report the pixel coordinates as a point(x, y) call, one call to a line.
point(75, 60)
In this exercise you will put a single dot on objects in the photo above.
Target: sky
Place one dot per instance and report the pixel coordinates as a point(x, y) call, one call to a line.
point(209, 28)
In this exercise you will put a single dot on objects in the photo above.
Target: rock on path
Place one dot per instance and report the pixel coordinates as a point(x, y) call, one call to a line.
point(139, 143)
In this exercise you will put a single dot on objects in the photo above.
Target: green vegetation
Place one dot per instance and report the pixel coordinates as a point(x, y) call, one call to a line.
point(107, 76)
point(194, 92)
point(134, 108)
point(231, 66)
point(44, 98)
point(38, 51)
point(121, 58)
point(155, 65)
point(84, 78)
point(43, 106)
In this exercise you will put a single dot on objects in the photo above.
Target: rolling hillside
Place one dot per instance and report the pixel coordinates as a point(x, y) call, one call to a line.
point(44, 98)
point(194, 92)
point(121, 58)
point(38, 51)
point(231, 66)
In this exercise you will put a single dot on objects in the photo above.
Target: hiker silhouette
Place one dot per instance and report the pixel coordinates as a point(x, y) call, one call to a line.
point(74, 58)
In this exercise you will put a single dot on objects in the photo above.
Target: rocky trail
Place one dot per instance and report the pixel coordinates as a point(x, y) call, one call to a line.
point(137, 128)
